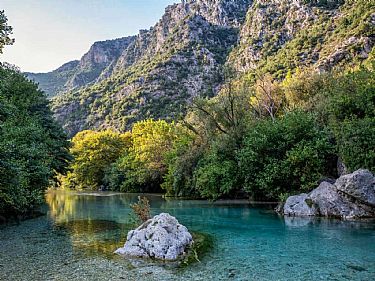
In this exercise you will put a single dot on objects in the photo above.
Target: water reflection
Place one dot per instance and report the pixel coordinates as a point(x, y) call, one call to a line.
point(297, 221)
point(250, 241)
point(94, 237)
point(76, 214)
point(65, 206)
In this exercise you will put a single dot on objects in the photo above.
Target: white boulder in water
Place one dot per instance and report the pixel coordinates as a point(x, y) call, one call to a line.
point(161, 237)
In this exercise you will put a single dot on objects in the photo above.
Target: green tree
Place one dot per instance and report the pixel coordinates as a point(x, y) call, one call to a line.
point(5, 32)
point(93, 153)
point(145, 164)
point(33, 148)
point(288, 155)
point(182, 160)
point(356, 143)
point(350, 113)
point(217, 174)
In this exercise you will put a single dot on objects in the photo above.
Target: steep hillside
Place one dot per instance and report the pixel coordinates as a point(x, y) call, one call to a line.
point(156, 73)
point(54, 82)
point(95, 65)
point(279, 36)
point(161, 70)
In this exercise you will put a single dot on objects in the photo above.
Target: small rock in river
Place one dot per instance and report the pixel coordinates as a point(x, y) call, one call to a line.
point(161, 237)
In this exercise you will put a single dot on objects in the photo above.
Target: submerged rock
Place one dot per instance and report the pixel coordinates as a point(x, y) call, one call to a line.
point(161, 237)
point(351, 196)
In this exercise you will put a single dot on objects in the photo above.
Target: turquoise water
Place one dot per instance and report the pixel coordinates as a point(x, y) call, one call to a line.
point(76, 239)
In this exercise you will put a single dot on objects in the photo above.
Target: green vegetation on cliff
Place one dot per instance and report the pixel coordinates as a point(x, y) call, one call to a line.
point(160, 71)
point(267, 139)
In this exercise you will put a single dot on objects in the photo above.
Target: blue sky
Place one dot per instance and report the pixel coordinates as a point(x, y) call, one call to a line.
point(49, 33)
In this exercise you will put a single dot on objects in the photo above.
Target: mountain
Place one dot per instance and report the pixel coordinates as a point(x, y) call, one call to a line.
point(96, 65)
point(156, 73)
point(282, 35)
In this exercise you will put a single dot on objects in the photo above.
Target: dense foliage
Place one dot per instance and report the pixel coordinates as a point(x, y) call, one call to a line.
point(286, 156)
point(350, 113)
point(33, 148)
point(132, 161)
point(143, 168)
point(93, 154)
point(266, 139)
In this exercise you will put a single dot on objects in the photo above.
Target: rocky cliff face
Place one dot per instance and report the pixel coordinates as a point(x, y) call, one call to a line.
point(156, 73)
point(268, 27)
point(161, 70)
point(95, 65)
point(281, 35)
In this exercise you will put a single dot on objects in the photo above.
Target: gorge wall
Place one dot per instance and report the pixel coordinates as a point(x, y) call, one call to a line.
point(158, 72)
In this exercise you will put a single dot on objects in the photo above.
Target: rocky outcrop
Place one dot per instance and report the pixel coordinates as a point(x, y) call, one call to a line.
point(359, 47)
point(297, 206)
point(94, 66)
point(351, 196)
point(161, 237)
point(161, 70)
point(303, 33)
point(158, 72)
point(269, 25)
point(359, 185)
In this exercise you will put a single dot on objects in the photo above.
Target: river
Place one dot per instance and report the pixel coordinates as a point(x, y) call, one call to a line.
point(76, 238)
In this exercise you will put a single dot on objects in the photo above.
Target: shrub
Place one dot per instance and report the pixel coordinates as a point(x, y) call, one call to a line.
point(141, 209)
point(288, 155)
point(349, 109)
point(356, 143)
point(217, 172)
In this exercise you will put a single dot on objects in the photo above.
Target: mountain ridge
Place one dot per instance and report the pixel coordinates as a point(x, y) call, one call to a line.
point(93, 66)
point(158, 72)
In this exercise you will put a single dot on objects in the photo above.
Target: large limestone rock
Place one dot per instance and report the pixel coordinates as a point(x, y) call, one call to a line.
point(161, 237)
point(360, 185)
point(351, 196)
point(329, 202)
point(297, 206)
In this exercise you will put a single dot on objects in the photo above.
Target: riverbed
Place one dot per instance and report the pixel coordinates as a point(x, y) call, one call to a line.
point(76, 238)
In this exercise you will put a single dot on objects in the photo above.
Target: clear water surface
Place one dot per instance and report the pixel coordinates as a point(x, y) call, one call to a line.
point(76, 238)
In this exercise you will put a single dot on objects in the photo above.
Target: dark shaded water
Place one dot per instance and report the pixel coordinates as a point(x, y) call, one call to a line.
point(76, 239)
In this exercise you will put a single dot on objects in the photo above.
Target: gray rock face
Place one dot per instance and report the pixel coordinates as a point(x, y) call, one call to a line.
point(297, 206)
point(352, 196)
point(328, 202)
point(341, 168)
point(161, 237)
point(360, 185)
